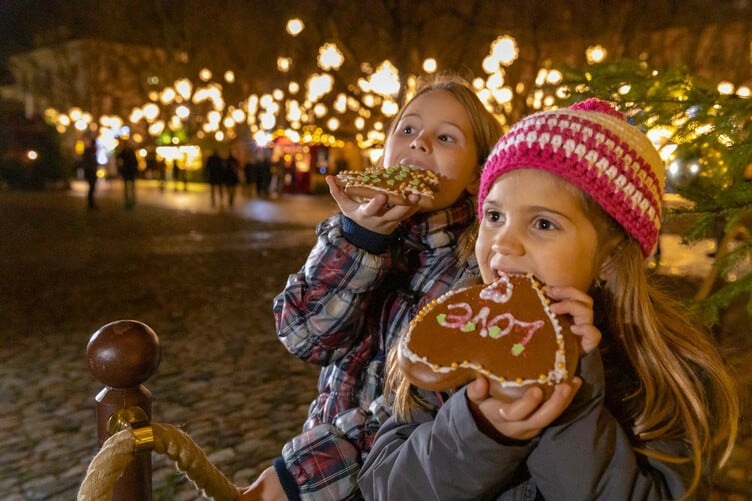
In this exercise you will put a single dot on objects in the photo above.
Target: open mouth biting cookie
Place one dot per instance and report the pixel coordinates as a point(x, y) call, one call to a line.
point(397, 183)
point(504, 331)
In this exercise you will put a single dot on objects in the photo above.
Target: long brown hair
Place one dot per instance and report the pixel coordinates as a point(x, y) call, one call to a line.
point(685, 389)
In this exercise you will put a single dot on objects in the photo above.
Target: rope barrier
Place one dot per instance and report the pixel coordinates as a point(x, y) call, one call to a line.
point(118, 451)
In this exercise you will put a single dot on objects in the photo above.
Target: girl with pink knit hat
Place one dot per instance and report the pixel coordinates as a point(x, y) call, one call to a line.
point(573, 197)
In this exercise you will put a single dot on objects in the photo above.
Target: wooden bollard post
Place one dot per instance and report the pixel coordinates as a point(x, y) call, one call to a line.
point(122, 355)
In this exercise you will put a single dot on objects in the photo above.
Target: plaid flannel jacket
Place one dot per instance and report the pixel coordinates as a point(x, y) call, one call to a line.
point(343, 310)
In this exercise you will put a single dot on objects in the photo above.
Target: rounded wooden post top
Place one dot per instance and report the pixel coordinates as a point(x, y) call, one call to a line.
point(123, 354)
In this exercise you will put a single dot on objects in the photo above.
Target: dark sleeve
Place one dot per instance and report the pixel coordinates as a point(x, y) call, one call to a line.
point(586, 454)
point(442, 458)
point(361, 237)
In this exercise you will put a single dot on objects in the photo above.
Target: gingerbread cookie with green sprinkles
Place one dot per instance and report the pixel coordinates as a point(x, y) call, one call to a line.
point(397, 183)
point(504, 331)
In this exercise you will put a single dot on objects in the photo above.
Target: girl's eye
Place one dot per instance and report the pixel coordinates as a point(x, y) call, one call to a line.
point(545, 224)
point(446, 138)
point(493, 216)
point(408, 129)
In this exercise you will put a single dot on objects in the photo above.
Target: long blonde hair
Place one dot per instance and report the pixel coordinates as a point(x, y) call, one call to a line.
point(684, 390)
point(485, 126)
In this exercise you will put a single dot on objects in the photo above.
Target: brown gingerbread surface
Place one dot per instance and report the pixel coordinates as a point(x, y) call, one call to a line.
point(504, 331)
point(397, 183)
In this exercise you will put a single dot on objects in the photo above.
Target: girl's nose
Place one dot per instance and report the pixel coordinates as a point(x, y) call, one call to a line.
point(506, 244)
point(419, 143)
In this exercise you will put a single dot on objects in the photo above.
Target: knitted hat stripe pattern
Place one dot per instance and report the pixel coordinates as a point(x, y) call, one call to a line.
point(597, 151)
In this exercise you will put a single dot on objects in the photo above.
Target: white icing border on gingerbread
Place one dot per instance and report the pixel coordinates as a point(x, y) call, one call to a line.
point(554, 376)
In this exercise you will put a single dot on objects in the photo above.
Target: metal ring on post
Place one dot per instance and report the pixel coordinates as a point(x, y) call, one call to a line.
point(138, 421)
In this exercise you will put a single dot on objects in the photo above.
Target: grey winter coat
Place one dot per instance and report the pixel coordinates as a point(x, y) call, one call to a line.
point(585, 454)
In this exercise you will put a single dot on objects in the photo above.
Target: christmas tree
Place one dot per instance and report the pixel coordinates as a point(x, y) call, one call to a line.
point(703, 132)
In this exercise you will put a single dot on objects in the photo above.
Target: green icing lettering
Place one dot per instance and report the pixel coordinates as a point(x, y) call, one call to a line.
point(494, 332)
point(468, 327)
point(517, 349)
point(441, 318)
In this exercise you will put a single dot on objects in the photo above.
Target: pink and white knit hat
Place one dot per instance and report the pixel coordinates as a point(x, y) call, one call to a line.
point(591, 145)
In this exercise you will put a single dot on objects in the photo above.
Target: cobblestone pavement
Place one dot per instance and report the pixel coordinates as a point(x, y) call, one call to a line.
point(204, 281)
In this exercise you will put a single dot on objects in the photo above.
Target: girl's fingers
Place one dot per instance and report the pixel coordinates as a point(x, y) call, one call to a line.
point(477, 390)
point(523, 407)
point(573, 302)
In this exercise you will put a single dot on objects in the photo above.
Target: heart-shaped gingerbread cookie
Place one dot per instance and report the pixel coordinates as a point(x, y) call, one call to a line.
point(504, 331)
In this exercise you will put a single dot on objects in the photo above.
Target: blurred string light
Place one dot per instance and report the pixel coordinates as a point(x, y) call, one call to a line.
point(595, 54)
point(430, 65)
point(318, 113)
point(294, 26)
point(330, 57)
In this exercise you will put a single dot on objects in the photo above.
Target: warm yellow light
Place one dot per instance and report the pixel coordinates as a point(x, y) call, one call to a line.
point(595, 54)
point(205, 74)
point(229, 76)
point(563, 92)
point(332, 123)
point(268, 121)
point(238, 115)
point(136, 115)
point(32, 155)
point(743, 91)
point(151, 111)
point(167, 95)
point(430, 65)
point(667, 152)
point(540, 78)
point(725, 88)
point(389, 108)
point(294, 26)
point(156, 128)
point(490, 64)
point(75, 114)
point(495, 80)
point(384, 81)
point(266, 100)
point(182, 112)
point(184, 87)
point(340, 104)
point(504, 50)
point(293, 88)
point(503, 95)
point(318, 86)
point(175, 123)
point(330, 57)
point(214, 117)
point(319, 110)
point(278, 94)
point(284, 64)
point(554, 77)
point(294, 113)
